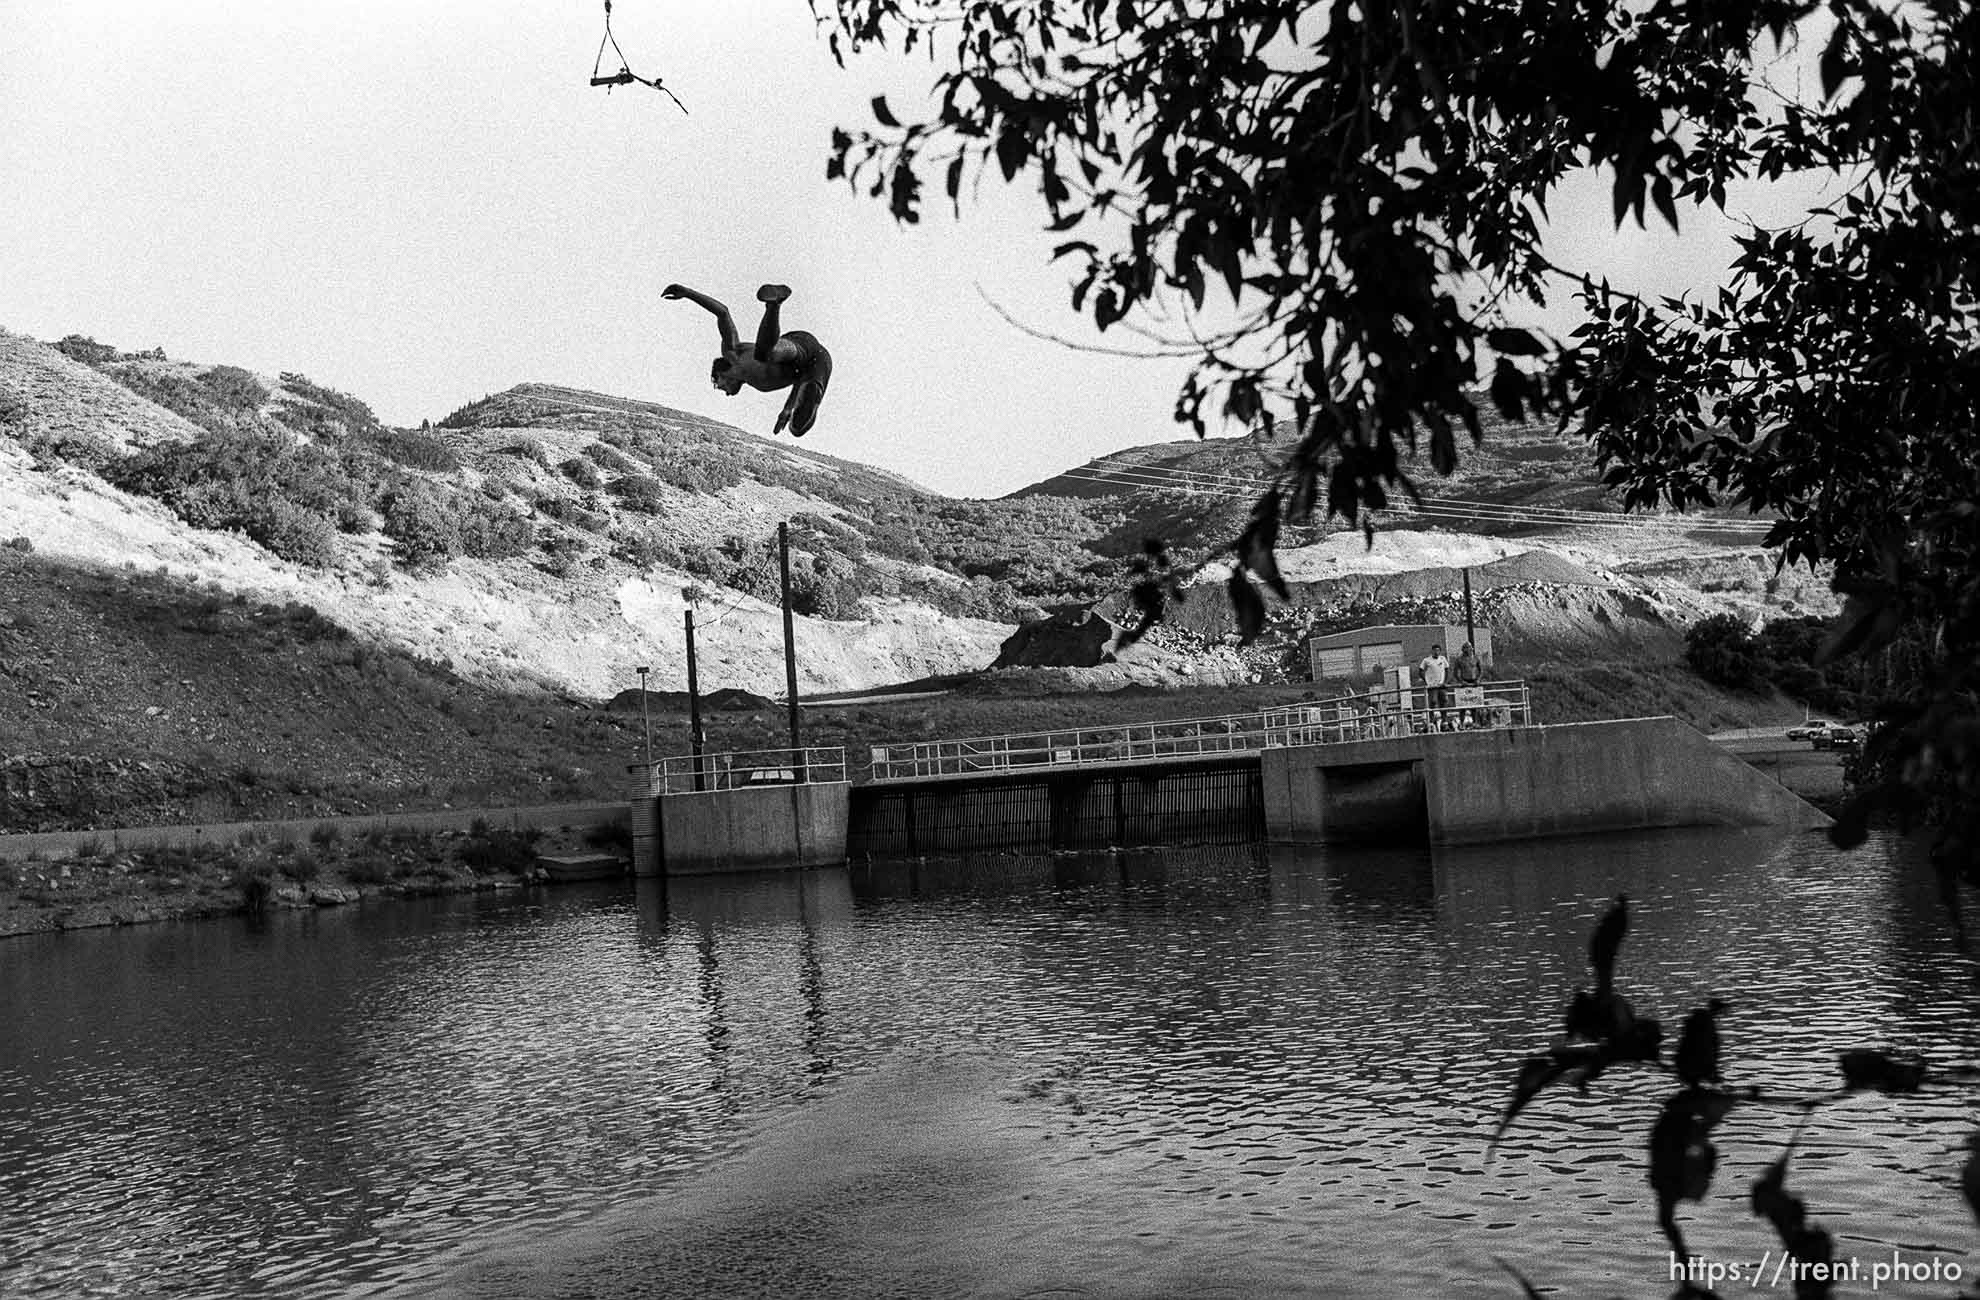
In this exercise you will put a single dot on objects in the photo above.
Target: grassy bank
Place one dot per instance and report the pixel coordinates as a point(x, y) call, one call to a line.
point(98, 887)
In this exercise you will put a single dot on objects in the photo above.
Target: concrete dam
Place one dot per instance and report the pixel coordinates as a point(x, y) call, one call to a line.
point(1288, 784)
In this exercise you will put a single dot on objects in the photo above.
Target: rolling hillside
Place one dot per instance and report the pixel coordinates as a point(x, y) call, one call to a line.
point(541, 536)
point(242, 593)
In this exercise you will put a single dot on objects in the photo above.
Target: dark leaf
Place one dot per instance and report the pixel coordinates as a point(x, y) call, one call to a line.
point(1013, 148)
point(1250, 609)
point(1514, 343)
point(1606, 942)
point(1865, 1069)
point(1260, 540)
point(1697, 1057)
point(1852, 824)
point(1660, 194)
point(1507, 387)
point(1526, 1288)
point(1969, 1176)
point(1870, 620)
point(1535, 1073)
point(1150, 599)
point(882, 114)
point(1834, 66)
point(1443, 444)
point(1682, 1157)
point(1769, 1198)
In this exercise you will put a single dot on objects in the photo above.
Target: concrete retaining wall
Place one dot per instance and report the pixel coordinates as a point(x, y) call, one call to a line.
point(748, 829)
point(1595, 776)
point(1523, 782)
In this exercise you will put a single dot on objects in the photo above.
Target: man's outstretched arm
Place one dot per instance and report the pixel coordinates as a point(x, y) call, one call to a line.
point(713, 306)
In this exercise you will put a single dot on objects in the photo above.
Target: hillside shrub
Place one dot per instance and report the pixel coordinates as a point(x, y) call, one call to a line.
point(583, 473)
point(528, 449)
point(292, 532)
point(640, 492)
point(643, 550)
point(421, 528)
point(278, 491)
point(352, 412)
point(76, 447)
point(704, 561)
point(86, 350)
point(415, 450)
point(13, 407)
point(1723, 651)
point(235, 389)
point(821, 591)
point(561, 552)
point(189, 399)
point(492, 532)
point(564, 510)
point(257, 887)
point(609, 457)
point(696, 474)
point(428, 528)
point(500, 851)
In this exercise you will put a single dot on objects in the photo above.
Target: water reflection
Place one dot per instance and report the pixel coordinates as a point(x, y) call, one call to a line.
point(338, 1101)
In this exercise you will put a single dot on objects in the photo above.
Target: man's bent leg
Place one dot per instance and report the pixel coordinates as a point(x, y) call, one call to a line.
point(801, 408)
point(767, 330)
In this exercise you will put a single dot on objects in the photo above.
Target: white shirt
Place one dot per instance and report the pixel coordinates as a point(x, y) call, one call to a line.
point(1433, 670)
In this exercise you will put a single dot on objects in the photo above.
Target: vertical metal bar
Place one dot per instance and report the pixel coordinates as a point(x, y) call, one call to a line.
point(645, 724)
point(790, 644)
point(694, 705)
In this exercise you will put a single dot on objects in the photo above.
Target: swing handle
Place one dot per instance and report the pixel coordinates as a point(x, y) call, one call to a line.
point(622, 77)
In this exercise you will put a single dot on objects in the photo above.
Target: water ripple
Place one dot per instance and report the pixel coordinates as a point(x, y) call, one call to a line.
point(344, 1103)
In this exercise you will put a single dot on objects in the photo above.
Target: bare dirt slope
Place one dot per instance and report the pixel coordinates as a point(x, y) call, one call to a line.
point(508, 622)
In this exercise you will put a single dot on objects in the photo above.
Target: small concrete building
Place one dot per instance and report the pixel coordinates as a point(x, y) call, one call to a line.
point(1365, 652)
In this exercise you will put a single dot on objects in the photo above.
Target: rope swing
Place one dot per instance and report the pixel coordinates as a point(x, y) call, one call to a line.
point(625, 76)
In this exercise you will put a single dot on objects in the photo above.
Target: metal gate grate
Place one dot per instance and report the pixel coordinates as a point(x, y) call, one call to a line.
point(1085, 809)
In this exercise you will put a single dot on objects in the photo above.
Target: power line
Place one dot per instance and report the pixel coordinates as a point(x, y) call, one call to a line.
point(733, 605)
point(1448, 512)
point(1107, 470)
point(1526, 512)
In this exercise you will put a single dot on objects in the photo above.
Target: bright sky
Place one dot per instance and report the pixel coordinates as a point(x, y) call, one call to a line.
point(422, 203)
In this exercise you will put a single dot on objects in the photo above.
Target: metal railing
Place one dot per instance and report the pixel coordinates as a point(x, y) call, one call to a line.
point(1372, 715)
point(1380, 714)
point(744, 768)
point(1072, 746)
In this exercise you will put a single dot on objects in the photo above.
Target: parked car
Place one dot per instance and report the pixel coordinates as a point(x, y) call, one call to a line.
point(1835, 736)
point(1806, 731)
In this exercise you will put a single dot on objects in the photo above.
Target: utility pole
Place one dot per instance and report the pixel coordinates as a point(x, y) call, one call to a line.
point(694, 704)
point(1470, 634)
point(645, 722)
point(790, 648)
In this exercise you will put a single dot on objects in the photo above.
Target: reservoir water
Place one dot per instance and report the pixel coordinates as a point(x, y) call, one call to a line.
point(1231, 1071)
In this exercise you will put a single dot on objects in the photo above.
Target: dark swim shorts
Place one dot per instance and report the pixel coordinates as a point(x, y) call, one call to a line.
point(814, 373)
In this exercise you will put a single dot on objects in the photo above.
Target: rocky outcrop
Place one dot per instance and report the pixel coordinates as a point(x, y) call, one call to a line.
point(48, 792)
point(1070, 638)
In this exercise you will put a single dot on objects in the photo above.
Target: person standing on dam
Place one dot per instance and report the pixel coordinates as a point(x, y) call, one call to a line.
point(1469, 674)
point(1436, 672)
